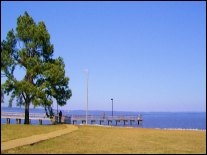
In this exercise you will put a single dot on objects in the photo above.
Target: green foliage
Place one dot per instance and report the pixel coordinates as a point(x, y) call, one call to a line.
point(30, 49)
point(2, 96)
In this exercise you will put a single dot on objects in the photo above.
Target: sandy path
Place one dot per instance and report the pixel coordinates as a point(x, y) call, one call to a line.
point(36, 138)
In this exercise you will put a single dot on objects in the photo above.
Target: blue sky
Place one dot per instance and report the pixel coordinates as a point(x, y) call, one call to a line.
point(148, 56)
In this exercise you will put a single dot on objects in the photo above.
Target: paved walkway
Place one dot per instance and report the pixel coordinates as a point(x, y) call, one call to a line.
point(36, 138)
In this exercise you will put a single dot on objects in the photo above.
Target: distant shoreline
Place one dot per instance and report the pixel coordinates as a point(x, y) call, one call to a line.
point(108, 126)
point(82, 110)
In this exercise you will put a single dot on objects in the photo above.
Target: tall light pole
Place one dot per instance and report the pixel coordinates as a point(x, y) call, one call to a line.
point(112, 106)
point(86, 70)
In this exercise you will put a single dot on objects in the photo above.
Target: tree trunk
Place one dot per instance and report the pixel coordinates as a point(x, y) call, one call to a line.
point(26, 117)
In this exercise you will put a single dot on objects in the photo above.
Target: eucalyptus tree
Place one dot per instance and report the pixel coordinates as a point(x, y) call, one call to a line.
point(44, 80)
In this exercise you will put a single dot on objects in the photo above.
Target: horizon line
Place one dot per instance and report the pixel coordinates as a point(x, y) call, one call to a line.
point(110, 110)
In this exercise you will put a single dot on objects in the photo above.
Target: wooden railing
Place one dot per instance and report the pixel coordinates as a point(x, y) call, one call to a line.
point(20, 115)
point(70, 119)
point(102, 117)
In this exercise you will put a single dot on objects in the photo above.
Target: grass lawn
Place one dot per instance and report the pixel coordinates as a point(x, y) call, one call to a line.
point(13, 131)
point(94, 139)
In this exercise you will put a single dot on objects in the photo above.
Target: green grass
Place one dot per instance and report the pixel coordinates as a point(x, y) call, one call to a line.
point(93, 139)
point(12, 131)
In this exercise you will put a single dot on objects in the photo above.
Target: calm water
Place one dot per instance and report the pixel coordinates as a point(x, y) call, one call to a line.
point(184, 120)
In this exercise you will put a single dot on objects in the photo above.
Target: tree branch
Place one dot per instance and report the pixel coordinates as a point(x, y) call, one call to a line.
point(23, 96)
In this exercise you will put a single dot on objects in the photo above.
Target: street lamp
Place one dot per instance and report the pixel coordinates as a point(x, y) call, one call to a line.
point(112, 106)
point(86, 70)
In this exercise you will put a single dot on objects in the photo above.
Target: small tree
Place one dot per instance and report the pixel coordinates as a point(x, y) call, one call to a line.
point(44, 79)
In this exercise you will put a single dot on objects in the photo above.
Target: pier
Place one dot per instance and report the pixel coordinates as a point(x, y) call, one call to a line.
point(98, 119)
point(74, 119)
point(33, 116)
point(19, 116)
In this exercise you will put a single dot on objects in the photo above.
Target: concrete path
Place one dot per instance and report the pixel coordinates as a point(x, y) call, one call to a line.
point(36, 138)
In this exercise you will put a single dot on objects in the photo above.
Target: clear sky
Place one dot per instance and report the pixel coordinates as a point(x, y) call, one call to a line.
point(147, 56)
